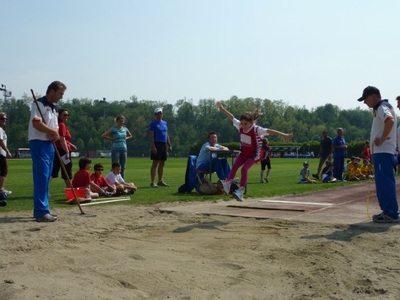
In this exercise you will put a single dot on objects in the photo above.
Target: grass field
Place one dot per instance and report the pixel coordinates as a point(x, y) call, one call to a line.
point(283, 181)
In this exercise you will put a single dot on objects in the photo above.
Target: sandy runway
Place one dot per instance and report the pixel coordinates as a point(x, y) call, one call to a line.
point(137, 252)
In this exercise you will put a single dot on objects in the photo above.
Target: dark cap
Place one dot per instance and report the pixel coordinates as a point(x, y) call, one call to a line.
point(305, 163)
point(368, 91)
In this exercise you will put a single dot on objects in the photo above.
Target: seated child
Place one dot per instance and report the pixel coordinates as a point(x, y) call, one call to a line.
point(305, 174)
point(327, 165)
point(99, 184)
point(82, 177)
point(114, 178)
point(349, 167)
point(327, 176)
point(367, 169)
point(355, 172)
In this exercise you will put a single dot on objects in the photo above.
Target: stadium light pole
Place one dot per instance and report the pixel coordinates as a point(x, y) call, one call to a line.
point(6, 94)
point(104, 122)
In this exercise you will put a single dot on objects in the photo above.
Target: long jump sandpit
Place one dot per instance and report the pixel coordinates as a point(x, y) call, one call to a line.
point(343, 205)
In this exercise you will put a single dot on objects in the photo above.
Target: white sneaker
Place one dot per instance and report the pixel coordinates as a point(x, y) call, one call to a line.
point(46, 218)
point(225, 186)
point(238, 195)
point(6, 191)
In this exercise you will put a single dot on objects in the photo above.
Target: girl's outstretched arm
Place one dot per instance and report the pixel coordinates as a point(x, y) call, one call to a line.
point(222, 109)
point(286, 136)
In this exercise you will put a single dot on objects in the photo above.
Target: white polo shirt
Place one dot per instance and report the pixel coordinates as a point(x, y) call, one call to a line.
point(3, 137)
point(112, 178)
point(50, 116)
point(382, 114)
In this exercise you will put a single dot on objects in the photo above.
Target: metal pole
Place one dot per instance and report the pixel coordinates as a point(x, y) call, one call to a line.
point(4, 89)
point(104, 123)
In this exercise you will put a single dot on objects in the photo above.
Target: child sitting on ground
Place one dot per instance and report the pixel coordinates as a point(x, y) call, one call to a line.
point(82, 178)
point(328, 163)
point(350, 165)
point(99, 183)
point(114, 178)
point(305, 174)
point(355, 172)
point(367, 169)
point(327, 176)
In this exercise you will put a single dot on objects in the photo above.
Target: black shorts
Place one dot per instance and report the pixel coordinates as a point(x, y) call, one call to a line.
point(323, 157)
point(3, 166)
point(161, 151)
point(265, 163)
point(57, 166)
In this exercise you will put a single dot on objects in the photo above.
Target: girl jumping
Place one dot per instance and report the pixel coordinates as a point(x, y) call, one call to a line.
point(250, 145)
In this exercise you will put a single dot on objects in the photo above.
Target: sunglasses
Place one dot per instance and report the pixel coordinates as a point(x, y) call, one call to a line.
point(3, 119)
point(66, 115)
point(99, 169)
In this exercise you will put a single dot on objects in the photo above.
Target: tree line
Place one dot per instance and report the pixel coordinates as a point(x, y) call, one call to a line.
point(189, 123)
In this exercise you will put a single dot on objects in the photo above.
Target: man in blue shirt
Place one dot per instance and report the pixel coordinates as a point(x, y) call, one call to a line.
point(160, 144)
point(339, 153)
point(220, 166)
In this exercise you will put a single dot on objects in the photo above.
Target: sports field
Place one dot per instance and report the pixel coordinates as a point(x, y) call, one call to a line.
point(283, 181)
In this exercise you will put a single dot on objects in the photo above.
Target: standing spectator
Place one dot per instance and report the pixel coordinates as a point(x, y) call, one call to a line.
point(219, 165)
point(339, 153)
point(4, 153)
point(118, 134)
point(398, 162)
point(398, 139)
point(64, 147)
point(383, 139)
point(265, 161)
point(366, 151)
point(325, 152)
point(41, 134)
point(160, 144)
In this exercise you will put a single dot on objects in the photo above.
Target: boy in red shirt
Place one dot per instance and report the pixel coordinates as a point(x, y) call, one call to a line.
point(99, 184)
point(82, 177)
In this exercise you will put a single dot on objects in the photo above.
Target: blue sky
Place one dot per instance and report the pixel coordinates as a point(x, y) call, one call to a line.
point(305, 52)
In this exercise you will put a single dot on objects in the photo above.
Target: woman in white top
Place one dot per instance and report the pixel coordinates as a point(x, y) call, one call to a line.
point(4, 153)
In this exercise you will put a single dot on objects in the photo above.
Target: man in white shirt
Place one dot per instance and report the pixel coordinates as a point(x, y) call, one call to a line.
point(42, 133)
point(383, 146)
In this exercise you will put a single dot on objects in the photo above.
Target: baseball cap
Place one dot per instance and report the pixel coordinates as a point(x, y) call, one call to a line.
point(305, 163)
point(158, 110)
point(368, 91)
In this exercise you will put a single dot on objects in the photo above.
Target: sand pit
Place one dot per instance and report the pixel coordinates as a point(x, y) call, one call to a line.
point(137, 252)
